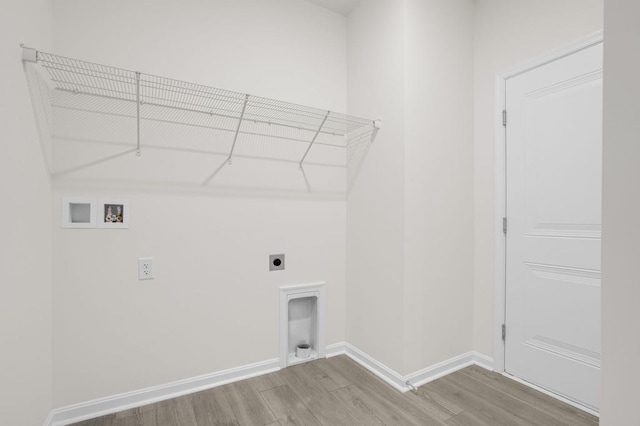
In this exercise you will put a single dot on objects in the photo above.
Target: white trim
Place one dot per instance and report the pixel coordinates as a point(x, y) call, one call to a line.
point(555, 54)
point(554, 395)
point(103, 406)
point(336, 349)
point(482, 360)
point(49, 419)
point(500, 181)
point(499, 288)
point(376, 367)
point(290, 292)
point(420, 377)
point(449, 366)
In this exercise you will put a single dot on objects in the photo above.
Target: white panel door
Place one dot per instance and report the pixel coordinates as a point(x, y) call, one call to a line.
point(554, 187)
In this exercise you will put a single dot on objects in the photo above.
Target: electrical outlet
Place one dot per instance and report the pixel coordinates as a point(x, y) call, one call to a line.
point(145, 268)
point(276, 262)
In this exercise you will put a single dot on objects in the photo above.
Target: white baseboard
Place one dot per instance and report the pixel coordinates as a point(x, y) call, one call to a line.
point(103, 406)
point(49, 420)
point(449, 366)
point(483, 361)
point(336, 349)
point(376, 367)
point(416, 379)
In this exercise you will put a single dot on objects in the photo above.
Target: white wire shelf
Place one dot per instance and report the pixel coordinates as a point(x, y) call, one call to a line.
point(148, 108)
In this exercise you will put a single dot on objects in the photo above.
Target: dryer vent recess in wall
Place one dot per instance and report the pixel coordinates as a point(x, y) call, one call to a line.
point(302, 323)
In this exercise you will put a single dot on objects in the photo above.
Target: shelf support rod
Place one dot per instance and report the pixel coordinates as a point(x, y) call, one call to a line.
point(138, 114)
point(235, 137)
point(324, 120)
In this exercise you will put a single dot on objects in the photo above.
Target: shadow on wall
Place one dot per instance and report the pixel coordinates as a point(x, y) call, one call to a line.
point(103, 126)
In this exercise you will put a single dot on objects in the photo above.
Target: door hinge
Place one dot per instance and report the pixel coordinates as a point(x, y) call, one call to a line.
point(504, 332)
point(504, 225)
point(504, 117)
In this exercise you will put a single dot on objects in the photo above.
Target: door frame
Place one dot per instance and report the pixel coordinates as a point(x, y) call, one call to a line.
point(501, 189)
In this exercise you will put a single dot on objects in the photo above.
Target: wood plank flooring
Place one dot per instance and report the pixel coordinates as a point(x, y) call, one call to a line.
point(338, 391)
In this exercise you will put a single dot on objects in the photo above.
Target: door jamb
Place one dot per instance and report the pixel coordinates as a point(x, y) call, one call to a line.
point(501, 182)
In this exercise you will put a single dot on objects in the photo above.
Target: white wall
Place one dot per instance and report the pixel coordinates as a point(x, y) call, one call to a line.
point(506, 34)
point(621, 208)
point(286, 49)
point(375, 220)
point(212, 296)
point(438, 160)
point(25, 253)
point(409, 226)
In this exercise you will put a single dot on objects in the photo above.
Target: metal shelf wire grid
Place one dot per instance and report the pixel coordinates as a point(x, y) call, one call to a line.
point(154, 103)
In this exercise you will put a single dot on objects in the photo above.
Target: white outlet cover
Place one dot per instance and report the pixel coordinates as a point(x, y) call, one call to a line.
point(145, 268)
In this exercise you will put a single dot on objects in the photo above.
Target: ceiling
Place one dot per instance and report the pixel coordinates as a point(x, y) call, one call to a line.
point(343, 7)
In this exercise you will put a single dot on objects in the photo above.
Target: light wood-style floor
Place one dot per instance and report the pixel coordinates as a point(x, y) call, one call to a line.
point(337, 391)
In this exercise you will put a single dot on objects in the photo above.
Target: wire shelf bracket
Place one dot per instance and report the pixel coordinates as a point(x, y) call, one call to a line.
point(235, 137)
point(324, 120)
point(158, 112)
